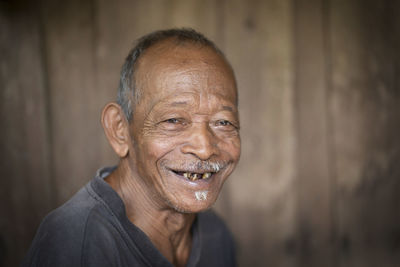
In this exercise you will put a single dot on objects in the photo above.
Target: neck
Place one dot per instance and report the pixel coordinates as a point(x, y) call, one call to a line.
point(168, 229)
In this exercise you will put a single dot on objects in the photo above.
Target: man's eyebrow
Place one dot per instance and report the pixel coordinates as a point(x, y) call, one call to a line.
point(229, 108)
point(179, 103)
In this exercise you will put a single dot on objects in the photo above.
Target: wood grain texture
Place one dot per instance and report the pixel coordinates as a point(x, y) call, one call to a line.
point(365, 107)
point(69, 42)
point(259, 44)
point(313, 177)
point(26, 188)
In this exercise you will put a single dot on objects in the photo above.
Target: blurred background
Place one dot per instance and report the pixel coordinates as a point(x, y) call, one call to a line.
point(319, 84)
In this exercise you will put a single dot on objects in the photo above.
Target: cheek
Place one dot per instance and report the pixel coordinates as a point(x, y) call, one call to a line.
point(155, 149)
point(232, 148)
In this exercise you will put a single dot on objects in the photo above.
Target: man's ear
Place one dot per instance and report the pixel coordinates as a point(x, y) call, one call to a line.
point(116, 128)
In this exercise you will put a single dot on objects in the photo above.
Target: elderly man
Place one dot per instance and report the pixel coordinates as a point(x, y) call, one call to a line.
point(175, 129)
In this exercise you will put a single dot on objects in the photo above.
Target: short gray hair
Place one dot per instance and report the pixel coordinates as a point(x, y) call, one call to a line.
point(128, 94)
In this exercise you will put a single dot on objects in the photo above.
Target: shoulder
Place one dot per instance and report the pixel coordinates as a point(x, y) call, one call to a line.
point(60, 236)
point(71, 216)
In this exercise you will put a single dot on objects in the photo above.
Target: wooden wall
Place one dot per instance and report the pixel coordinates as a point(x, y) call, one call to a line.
point(319, 81)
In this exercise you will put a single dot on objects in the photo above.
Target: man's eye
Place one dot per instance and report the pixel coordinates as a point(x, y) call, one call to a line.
point(224, 123)
point(172, 120)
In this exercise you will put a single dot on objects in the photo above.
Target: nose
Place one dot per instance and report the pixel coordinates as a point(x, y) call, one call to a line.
point(201, 143)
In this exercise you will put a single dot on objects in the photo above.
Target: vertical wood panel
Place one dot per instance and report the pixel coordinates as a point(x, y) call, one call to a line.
point(314, 180)
point(75, 109)
point(201, 15)
point(259, 43)
point(365, 104)
point(25, 191)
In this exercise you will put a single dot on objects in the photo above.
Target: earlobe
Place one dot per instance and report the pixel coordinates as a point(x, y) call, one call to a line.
point(116, 128)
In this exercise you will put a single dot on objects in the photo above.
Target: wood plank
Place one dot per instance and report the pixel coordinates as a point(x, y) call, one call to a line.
point(75, 109)
point(314, 180)
point(366, 111)
point(258, 41)
point(25, 187)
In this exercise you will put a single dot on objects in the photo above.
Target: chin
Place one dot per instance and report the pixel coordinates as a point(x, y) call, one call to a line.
point(200, 202)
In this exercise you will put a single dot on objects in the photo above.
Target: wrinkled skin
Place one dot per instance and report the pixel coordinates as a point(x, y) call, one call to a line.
point(187, 113)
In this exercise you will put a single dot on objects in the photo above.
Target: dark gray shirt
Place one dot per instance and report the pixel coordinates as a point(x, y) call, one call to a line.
point(92, 229)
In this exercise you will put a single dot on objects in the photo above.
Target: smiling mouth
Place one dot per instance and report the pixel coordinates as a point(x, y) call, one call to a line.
point(193, 176)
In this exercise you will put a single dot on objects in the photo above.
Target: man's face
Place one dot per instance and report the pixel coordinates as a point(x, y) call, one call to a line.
point(185, 128)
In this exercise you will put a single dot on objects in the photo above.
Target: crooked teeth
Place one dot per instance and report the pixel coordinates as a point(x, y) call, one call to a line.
point(196, 176)
point(206, 175)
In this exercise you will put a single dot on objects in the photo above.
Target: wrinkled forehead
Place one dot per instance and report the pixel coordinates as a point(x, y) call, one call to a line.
point(169, 66)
